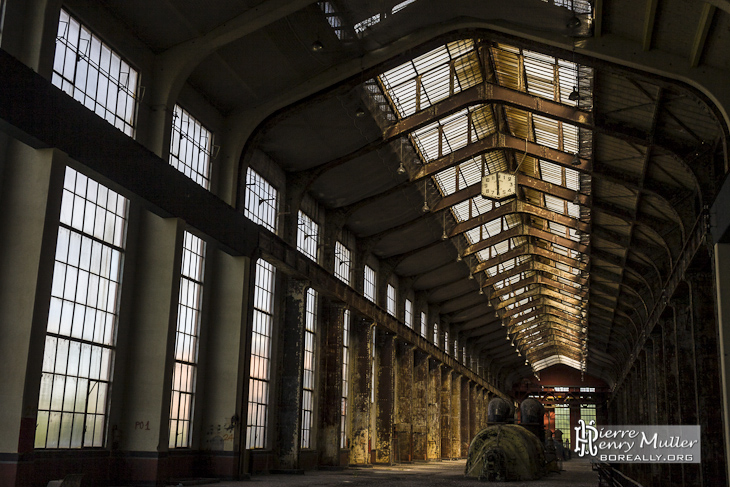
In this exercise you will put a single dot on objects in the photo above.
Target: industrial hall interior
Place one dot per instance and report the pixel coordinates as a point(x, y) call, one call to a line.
point(247, 237)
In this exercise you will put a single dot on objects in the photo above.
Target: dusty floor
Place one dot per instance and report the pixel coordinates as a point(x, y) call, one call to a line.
point(576, 473)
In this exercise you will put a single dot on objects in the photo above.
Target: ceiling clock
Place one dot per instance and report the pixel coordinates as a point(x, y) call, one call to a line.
point(499, 185)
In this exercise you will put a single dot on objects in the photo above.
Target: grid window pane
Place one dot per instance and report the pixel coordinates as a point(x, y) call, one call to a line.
point(95, 75)
point(307, 236)
point(588, 412)
point(423, 324)
point(390, 292)
point(343, 263)
point(562, 419)
point(369, 283)
point(186, 340)
point(262, 201)
point(408, 313)
point(310, 335)
point(258, 386)
point(190, 146)
point(82, 316)
point(345, 377)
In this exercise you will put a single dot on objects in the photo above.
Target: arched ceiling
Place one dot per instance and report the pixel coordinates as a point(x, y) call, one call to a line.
point(393, 108)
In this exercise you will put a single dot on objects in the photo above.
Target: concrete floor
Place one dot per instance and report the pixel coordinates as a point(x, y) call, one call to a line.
point(576, 473)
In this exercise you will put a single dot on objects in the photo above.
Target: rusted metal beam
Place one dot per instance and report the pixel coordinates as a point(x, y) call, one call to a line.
point(540, 291)
point(529, 248)
point(517, 206)
point(499, 141)
point(532, 266)
point(523, 230)
point(539, 280)
point(490, 93)
point(544, 310)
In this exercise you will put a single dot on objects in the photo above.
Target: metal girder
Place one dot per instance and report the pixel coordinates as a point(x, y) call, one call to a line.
point(538, 279)
point(535, 356)
point(517, 206)
point(531, 265)
point(539, 291)
point(480, 94)
point(529, 248)
point(499, 141)
point(541, 301)
point(649, 20)
point(484, 93)
point(544, 310)
point(547, 332)
point(522, 180)
point(523, 230)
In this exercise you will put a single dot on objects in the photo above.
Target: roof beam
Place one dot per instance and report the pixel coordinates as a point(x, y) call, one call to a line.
point(703, 28)
point(529, 248)
point(538, 279)
point(500, 141)
point(649, 20)
point(533, 266)
point(479, 94)
point(523, 230)
point(517, 206)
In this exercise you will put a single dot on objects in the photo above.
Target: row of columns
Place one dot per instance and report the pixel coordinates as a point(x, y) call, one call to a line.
point(404, 405)
point(675, 380)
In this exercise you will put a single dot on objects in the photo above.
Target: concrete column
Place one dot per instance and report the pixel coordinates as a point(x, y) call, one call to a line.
point(420, 405)
point(434, 409)
point(330, 402)
point(228, 348)
point(30, 196)
point(722, 298)
point(361, 330)
point(290, 378)
point(456, 416)
point(707, 361)
point(150, 346)
point(687, 372)
point(384, 397)
point(405, 401)
point(465, 433)
point(446, 411)
point(671, 369)
point(473, 412)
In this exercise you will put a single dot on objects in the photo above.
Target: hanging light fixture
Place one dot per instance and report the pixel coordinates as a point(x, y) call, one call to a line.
point(444, 236)
point(401, 167)
point(575, 161)
point(359, 112)
point(317, 46)
point(458, 257)
point(574, 95)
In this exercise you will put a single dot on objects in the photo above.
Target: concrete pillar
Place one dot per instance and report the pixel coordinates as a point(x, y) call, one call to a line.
point(456, 417)
point(465, 433)
point(150, 346)
point(722, 298)
point(228, 349)
point(687, 371)
point(290, 378)
point(671, 369)
point(473, 412)
point(707, 361)
point(330, 402)
point(446, 411)
point(434, 409)
point(30, 196)
point(384, 397)
point(405, 401)
point(420, 405)
point(361, 330)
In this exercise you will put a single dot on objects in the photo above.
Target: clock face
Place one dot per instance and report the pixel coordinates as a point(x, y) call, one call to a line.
point(498, 186)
